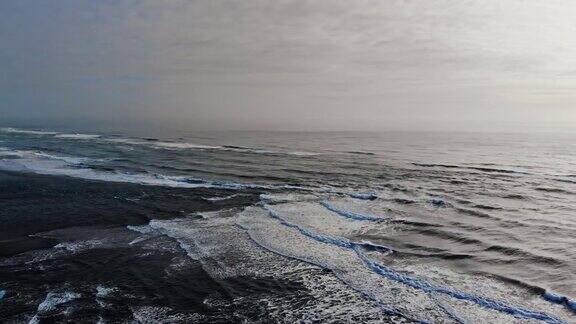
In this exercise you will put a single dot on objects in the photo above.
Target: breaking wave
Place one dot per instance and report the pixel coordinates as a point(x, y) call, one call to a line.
point(338, 241)
point(158, 144)
point(25, 131)
point(77, 136)
point(193, 146)
point(43, 163)
point(482, 169)
point(352, 215)
point(415, 282)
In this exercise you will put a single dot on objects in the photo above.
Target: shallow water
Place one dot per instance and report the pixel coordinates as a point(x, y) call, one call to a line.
point(407, 226)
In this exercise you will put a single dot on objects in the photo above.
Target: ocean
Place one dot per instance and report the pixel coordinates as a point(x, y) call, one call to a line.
point(220, 227)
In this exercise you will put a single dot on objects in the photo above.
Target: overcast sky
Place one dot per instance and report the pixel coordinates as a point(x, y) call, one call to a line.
point(291, 64)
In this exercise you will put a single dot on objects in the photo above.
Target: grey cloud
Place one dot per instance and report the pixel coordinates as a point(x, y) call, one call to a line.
point(257, 64)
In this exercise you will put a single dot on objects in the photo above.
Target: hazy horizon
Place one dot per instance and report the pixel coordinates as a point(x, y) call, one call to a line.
point(290, 65)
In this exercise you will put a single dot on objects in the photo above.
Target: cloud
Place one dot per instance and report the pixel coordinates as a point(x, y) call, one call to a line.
point(289, 62)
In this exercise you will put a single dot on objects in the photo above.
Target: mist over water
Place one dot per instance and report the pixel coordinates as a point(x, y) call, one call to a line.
point(448, 210)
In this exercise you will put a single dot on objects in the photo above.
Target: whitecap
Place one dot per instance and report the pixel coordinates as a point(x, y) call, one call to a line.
point(23, 154)
point(195, 146)
point(25, 131)
point(220, 198)
point(77, 136)
point(53, 299)
point(103, 292)
point(412, 293)
point(182, 146)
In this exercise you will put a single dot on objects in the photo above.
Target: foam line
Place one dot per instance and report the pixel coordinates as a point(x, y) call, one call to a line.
point(352, 215)
point(562, 300)
point(449, 311)
point(220, 198)
point(24, 131)
point(387, 309)
point(418, 283)
point(43, 163)
point(431, 288)
point(334, 240)
point(356, 195)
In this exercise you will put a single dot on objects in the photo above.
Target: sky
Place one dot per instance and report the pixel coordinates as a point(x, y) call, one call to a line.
point(291, 64)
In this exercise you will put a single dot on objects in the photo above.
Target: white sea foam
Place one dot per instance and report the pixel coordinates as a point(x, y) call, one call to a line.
point(39, 155)
point(65, 166)
point(161, 144)
point(299, 234)
point(103, 292)
point(79, 245)
point(167, 145)
point(220, 198)
point(144, 229)
point(161, 314)
point(53, 299)
point(195, 146)
point(226, 251)
point(287, 197)
point(183, 146)
point(25, 131)
point(61, 167)
point(343, 262)
point(129, 141)
point(44, 163)
point(77, 136)
point(322, 220)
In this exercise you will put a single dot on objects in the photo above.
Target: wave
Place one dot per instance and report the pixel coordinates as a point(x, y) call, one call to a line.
point(78, 136)
point(43, 163)
point(403, 201)
point(55, 134)
point(352, 215)
point(559, 299)
point(472, 212)
point(61, 168)
point(363, 196)
point(386, 308)
point(516, 197)
point(494, 170)
point(155, 143)
point(554, 190)
point(103, 291)
point(482, 169)
point(361, 153)
point(448, 310)
point(430, 165)
point(220, 198)
point(413, 282)
point(23, 154)
point(181, 146)
point(512, 251)
point(565, 180)
point(487, 207)
point(338, 241)
point(25, 131)
point(52, 301)
point(432, 288)
point(550, 296)
point(440, 232)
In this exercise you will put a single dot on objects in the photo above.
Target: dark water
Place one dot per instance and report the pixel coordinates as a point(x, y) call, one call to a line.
point(281, 227)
